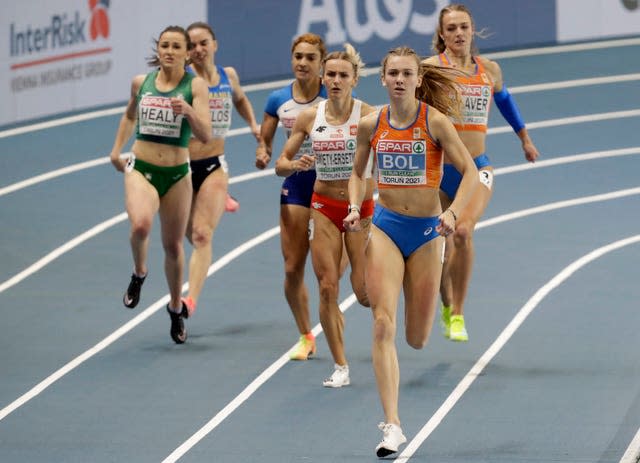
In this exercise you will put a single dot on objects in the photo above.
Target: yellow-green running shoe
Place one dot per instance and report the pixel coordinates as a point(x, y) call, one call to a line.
point(445, 320)
point(305, 347)
point(457, 331)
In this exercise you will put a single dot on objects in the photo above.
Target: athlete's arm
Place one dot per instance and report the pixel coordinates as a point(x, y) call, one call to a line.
point(285, 165)
point(197, 113)
point(265, 145)
point(357, 182)
point(127, 124)
point(242, 102)
point(509, 110)
point(445, 133)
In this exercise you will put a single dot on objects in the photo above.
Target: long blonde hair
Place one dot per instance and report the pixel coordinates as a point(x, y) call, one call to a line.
point(438, 88)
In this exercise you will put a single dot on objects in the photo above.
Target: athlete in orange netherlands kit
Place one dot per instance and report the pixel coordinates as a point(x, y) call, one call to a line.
point(481, 79)
point(405, 249)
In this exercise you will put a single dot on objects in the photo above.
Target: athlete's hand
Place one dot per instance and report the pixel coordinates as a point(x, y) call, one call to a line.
point(262, 157)
point(305, 163)
point(447, 223)
point(117, 161)
point(530, 151)
point(352, 222)
point(179, 106)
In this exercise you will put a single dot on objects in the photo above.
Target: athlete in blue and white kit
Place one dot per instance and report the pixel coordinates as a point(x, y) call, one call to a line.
point(208, 167)
point(307, 53)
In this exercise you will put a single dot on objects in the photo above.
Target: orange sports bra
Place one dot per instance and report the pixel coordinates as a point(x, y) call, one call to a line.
point(476, 92)
point(407, 157)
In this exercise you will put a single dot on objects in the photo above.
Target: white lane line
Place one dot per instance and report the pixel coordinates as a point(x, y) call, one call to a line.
point(570, 120)
point(274, 367)
point(253, 175)
point(632, 455)
point(502, 339)
point(244, 395)
point(68, 246)
point(52, 174)
point(124, 329)
point(366, 72)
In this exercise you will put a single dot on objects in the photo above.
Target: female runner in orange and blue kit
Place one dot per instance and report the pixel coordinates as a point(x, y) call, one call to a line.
point(479, 79)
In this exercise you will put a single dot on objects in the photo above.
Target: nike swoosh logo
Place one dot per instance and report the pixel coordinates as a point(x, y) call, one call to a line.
point(210, 168)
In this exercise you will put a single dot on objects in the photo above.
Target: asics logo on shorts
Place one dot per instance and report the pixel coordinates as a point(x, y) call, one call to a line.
point(317, 205)
point(428, 231)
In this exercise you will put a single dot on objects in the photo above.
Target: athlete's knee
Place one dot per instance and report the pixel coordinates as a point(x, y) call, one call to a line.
point(463, 233)
point(416, 340)
point(173, 249)
point(293, 267)
point(141, 228)
point(201, 235)
point(328, 290)
point(383, 328)
point(362, 296)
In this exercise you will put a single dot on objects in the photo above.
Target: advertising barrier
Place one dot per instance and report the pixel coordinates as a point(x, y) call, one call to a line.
point(594, 19)
point(66, 55)
point(69, 55)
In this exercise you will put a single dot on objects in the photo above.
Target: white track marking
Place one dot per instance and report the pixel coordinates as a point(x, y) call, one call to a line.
point(366, 72)
point(632, 455)
point(274, 367)
point(502, 339)
point(124, 329)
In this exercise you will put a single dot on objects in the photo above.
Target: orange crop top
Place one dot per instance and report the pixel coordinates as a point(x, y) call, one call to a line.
point(408, 157)
point(476, 92)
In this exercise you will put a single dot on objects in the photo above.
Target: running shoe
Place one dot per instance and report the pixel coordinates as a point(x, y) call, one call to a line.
point(132, 296)
point(231, 204)
point(305, 347)
point(392, 439)
point(445, 320)
point(339, 378)
point(191, 305)
point(178, 331)
point(458, 331)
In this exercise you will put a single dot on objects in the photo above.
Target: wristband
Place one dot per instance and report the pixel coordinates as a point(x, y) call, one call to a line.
point(508, 109)
point(455, 217)
point(353, 207)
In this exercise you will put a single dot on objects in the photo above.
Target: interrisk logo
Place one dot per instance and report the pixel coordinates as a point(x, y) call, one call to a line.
point(61, 32)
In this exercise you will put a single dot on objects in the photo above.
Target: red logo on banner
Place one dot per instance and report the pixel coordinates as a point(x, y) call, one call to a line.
point(99, 25)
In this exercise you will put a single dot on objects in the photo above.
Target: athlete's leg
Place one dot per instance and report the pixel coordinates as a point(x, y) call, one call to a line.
point(174, 215)
point(384, 275)
point(326, 252)
point(460, 261)
point(207, 208)
point(142, 203)
point(421, 283)
point(294, 240)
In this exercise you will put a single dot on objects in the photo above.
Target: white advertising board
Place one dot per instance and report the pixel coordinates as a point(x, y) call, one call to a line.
point(65, 55)
point(594, 19)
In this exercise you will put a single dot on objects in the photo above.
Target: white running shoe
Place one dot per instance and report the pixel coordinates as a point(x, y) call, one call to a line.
point(392, 439)
point(339, 378)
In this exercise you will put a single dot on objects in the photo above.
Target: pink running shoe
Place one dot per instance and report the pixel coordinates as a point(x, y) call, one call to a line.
point(231, 204)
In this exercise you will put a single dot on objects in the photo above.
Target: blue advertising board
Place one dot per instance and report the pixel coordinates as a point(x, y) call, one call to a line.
point(255, 35)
